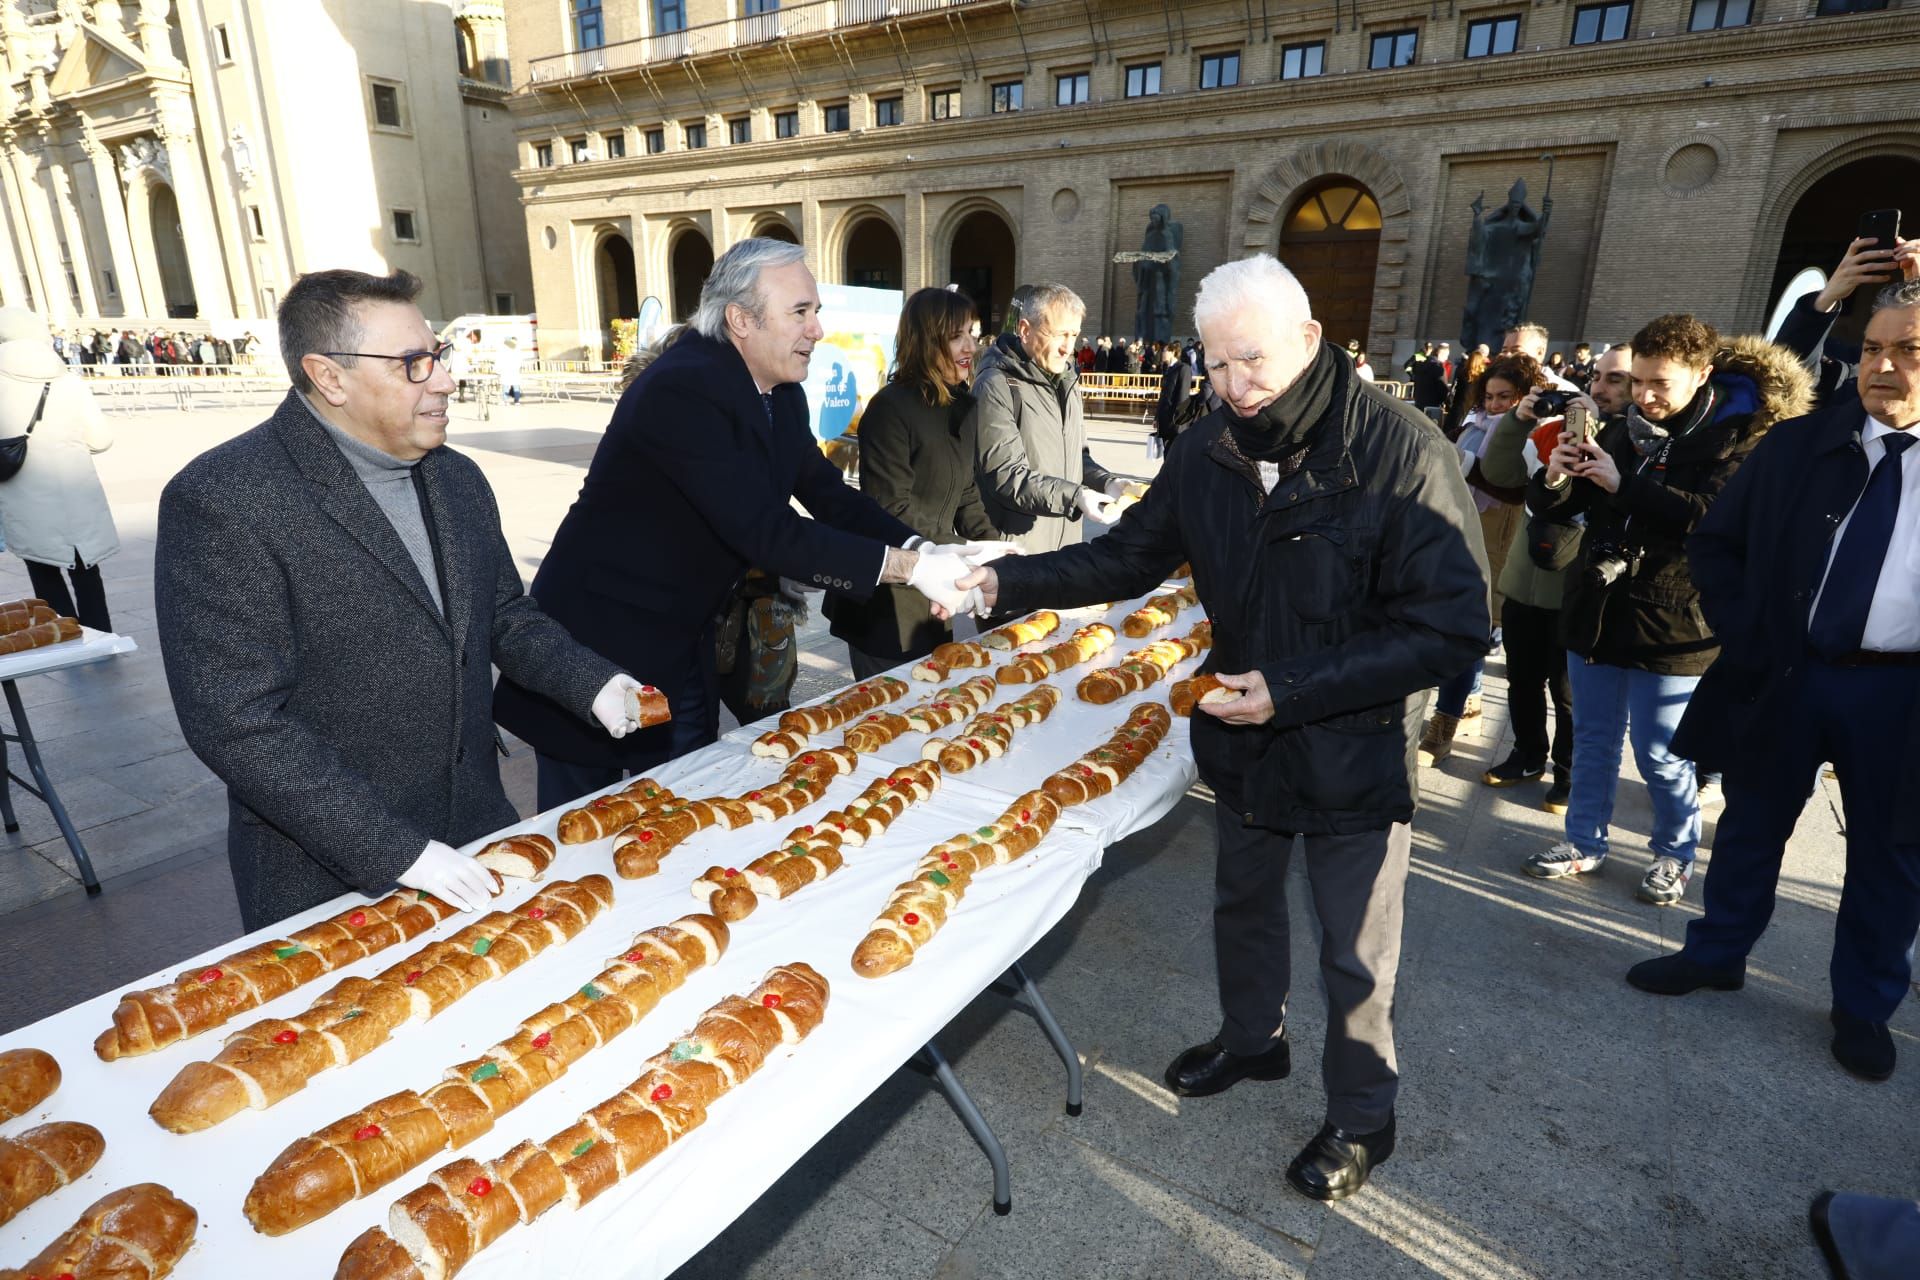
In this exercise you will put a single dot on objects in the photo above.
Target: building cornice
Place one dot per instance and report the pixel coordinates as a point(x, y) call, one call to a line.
point(1099, 127)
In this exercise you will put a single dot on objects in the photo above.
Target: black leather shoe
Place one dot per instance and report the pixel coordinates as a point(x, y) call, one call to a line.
point(1675, 975)
point(1207, 1068)
point(1864, 1048)
point(1823, 1235)
point(1336, 1163)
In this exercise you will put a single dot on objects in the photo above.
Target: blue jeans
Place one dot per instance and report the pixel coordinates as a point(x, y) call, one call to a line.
point(1608, 702)
point(1453, 695)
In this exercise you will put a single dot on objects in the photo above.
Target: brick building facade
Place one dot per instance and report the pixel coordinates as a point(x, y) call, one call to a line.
point(1701, 150)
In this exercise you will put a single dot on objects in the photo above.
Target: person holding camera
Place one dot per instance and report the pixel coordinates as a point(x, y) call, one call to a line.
point(1497, 386)
point(1636, 639)
point(1533, 577)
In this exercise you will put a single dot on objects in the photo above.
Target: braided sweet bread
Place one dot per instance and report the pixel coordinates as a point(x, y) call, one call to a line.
point(360, 1153)
point(436, 1229)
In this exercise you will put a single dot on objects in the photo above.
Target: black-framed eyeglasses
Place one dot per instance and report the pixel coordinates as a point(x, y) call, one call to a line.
point(417, 364)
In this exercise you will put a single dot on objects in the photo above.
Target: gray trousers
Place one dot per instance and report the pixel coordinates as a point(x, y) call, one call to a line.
point(1358, 884)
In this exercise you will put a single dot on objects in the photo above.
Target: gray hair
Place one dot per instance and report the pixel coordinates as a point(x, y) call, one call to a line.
point(1046, 302)
point(1257, 281)
point(735, 281)
point(317, 315)
point(1531, 331)
point(1900, 294)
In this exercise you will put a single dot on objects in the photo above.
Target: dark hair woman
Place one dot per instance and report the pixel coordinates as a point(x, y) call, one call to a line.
point(916, 462)
point(1496, 387)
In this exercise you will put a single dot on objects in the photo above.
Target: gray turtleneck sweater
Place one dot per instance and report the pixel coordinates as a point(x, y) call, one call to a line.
point(390, 481)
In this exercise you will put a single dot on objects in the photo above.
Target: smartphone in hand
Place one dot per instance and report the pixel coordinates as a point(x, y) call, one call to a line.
point(1882, 226)
point(1579, 425)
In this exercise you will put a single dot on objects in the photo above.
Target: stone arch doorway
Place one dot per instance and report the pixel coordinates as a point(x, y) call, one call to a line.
point(773, 228)
point(1331, 241)
point(981, 262)
point(873, 256)
point(616, 285)
point(689, 260)
point(1825, 217)
point(170, 253)
point(1313, 166)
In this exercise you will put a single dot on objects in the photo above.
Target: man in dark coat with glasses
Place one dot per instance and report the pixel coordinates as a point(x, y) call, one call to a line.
point(333, 591)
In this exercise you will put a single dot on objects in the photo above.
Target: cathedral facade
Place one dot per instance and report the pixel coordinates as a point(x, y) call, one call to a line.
point(181, 162)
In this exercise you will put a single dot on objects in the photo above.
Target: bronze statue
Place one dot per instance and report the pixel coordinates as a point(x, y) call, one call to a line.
point(1503, 254)
point(1156, 275)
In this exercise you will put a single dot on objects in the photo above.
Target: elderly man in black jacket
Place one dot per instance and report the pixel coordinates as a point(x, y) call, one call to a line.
point(1806, 570)
point(333, 590)
point(1338, 553)
point(691, 486)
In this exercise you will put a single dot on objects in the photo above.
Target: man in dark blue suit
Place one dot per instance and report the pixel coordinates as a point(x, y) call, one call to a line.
point(1809, 572)
point(691, 486)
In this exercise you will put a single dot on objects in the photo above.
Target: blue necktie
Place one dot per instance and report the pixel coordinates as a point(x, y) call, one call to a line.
point(766, 398)
point(1841, 619)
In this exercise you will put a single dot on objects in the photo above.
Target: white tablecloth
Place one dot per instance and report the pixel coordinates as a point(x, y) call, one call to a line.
point(650, 1223)
point(92, 646)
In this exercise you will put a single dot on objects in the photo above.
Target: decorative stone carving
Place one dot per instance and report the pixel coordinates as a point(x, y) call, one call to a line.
point(175, 125)
point(144, 155)
point(242, 152)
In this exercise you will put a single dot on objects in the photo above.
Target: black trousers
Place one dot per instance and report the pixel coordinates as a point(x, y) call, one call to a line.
point(88, 601)
point(1358, 883)
point(1537, 671)
point(867, 665)
point(695, 724)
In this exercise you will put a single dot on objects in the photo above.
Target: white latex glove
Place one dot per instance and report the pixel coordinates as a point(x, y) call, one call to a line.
point(982, 592)
point(1120, 487)
point(978, 553)
point(935, 573)
point(610, 705)
point(1097, 506)
point(452, 877)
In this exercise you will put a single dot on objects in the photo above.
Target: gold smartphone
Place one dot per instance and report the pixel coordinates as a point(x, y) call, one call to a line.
point(1579, 425)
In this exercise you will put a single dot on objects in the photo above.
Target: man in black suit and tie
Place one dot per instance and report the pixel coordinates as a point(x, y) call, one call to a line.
point(333, 590)
point(1809, 572)
point(691, 486)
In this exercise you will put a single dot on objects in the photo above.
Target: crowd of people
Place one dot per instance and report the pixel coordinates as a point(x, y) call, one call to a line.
point(1692, 542)
point(1106, 354)
point(124, 348)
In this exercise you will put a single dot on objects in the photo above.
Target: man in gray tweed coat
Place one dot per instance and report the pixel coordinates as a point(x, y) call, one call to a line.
point(333, 590)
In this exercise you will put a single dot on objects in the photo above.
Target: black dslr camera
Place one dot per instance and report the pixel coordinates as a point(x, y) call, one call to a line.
point(1551, 403)
point(1609, 561)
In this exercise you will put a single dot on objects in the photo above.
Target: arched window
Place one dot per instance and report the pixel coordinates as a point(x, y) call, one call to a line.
point(1336, 208)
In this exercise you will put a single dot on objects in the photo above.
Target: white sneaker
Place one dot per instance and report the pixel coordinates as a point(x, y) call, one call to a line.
point(1561, 860)
point(1666, 882)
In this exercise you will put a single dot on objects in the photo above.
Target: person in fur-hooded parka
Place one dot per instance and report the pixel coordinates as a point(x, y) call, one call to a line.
point(1648, 615)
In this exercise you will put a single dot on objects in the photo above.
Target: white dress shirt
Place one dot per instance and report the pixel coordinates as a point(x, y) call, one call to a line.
point(1893, 620)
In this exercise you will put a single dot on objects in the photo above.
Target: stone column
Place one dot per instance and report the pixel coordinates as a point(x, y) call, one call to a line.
point(204, 260)
point(113, 212)
point(76, 236)
point(42, 246)
point(152, 28)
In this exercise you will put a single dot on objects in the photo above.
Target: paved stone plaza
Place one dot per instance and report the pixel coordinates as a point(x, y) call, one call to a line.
point(1553, 1123)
